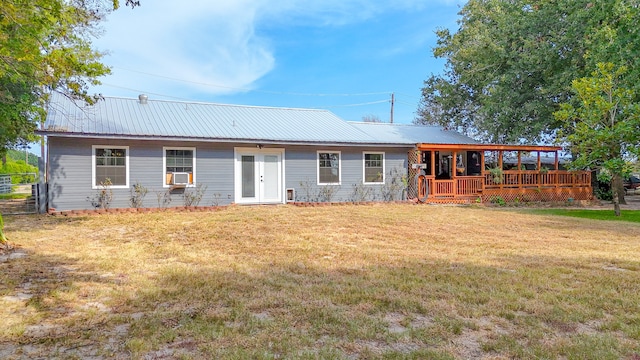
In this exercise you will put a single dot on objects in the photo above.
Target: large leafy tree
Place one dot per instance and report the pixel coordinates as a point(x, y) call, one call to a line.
point(511, 62)
point(603, 129)
point(45, 45)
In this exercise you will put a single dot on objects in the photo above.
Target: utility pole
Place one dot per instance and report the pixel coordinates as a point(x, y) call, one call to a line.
point(393, 100)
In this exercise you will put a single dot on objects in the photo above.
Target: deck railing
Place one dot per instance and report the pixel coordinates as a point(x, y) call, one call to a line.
point(535, 179)
point(512, 181)
point(469, 185)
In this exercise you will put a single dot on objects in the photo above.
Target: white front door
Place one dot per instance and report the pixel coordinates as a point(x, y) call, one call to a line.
point(259, 176)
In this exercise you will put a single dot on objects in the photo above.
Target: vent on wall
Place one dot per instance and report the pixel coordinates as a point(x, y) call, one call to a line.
point(291, 195)
point(180, 178)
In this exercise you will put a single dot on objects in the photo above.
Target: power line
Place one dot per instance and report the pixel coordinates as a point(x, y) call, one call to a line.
point(404, 103)
point(360, 104)
point(413, 97)
point(184, 99)
point(252, 90)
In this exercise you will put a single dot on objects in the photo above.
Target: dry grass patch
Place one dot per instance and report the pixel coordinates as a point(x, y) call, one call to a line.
point(354, 282)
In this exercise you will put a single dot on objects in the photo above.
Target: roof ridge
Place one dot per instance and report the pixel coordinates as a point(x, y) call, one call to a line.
point(394, 124)
point(192, 102)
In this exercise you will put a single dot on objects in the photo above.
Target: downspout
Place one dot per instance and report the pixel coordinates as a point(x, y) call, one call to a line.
point(43, 165)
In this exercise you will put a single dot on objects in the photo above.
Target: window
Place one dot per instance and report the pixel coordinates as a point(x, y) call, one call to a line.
point(373, 168)
point(179, 166)
point(329, 167)
point(110, 162)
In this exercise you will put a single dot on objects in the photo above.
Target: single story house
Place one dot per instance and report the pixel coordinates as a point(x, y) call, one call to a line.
point(251, 155)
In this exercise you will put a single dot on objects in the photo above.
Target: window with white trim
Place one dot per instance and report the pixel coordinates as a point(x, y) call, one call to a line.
point(373, 167)
point(110, 163)
point(179, 166)
point(329, 167)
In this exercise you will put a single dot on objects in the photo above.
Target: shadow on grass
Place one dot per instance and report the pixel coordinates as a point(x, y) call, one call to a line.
point(52, 306)
point(30, 223)
point(527, 306)
point(420, 309)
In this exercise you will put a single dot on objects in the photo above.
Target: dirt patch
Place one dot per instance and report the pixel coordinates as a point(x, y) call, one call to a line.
point(633, 203)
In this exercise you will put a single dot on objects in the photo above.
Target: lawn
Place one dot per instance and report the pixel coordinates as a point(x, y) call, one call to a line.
point(12, 196)
point(625, 215)
point(392, 281)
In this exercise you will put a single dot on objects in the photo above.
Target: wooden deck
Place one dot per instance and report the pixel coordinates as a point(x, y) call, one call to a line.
point(513, 185)
point(507, 184)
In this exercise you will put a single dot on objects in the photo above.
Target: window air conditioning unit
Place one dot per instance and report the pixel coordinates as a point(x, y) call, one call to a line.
point(180, 178)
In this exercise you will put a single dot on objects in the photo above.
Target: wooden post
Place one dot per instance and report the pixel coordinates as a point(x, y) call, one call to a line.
point(454, 164)
point(501, 168)
point(454, 170)
point(520, 177)
point(433, 163)
point(556, 165)
point(539, 175)
point(482, 172)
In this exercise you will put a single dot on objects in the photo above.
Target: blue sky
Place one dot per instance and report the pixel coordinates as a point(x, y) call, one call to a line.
point(347, 56)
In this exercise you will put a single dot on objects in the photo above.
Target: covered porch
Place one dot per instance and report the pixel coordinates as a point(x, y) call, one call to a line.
point(463, 173)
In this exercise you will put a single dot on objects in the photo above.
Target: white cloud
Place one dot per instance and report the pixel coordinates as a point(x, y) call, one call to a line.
point(214, 42)
point(202, 42)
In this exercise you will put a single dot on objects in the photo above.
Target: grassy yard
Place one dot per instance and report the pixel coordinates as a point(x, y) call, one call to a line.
point(337, 282)
point(625, 215)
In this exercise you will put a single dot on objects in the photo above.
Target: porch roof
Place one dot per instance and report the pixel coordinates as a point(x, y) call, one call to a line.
point(488, 147)
point(413, 134)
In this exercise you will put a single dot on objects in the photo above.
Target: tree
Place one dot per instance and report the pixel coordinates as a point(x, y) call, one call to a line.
point(45, 45)
point(29, 158)
point(3, 238)
point(604, 128)
point(371, 118)
point(511, 62)
point(616, 39)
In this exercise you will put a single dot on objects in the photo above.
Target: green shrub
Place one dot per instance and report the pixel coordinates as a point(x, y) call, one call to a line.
point(19, 167)
point(498, 200)
point(16, 155)
point(138, 192)
point(3, 238)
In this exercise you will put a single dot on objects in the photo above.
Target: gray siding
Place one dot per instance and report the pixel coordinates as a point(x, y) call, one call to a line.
point(302, 164)
point(70, 173)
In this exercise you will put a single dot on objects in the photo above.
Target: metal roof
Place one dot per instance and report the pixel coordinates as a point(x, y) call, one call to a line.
point(130, 118)
point(412, 134)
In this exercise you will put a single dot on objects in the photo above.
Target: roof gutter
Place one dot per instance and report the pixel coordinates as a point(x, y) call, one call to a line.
point(488, 147)
point(223, 140)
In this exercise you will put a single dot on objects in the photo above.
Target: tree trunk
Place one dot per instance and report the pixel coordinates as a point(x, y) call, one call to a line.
point(616, 183)
point(616, 194)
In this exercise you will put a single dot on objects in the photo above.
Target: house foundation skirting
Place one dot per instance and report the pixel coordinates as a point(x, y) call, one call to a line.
point(537, 195)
